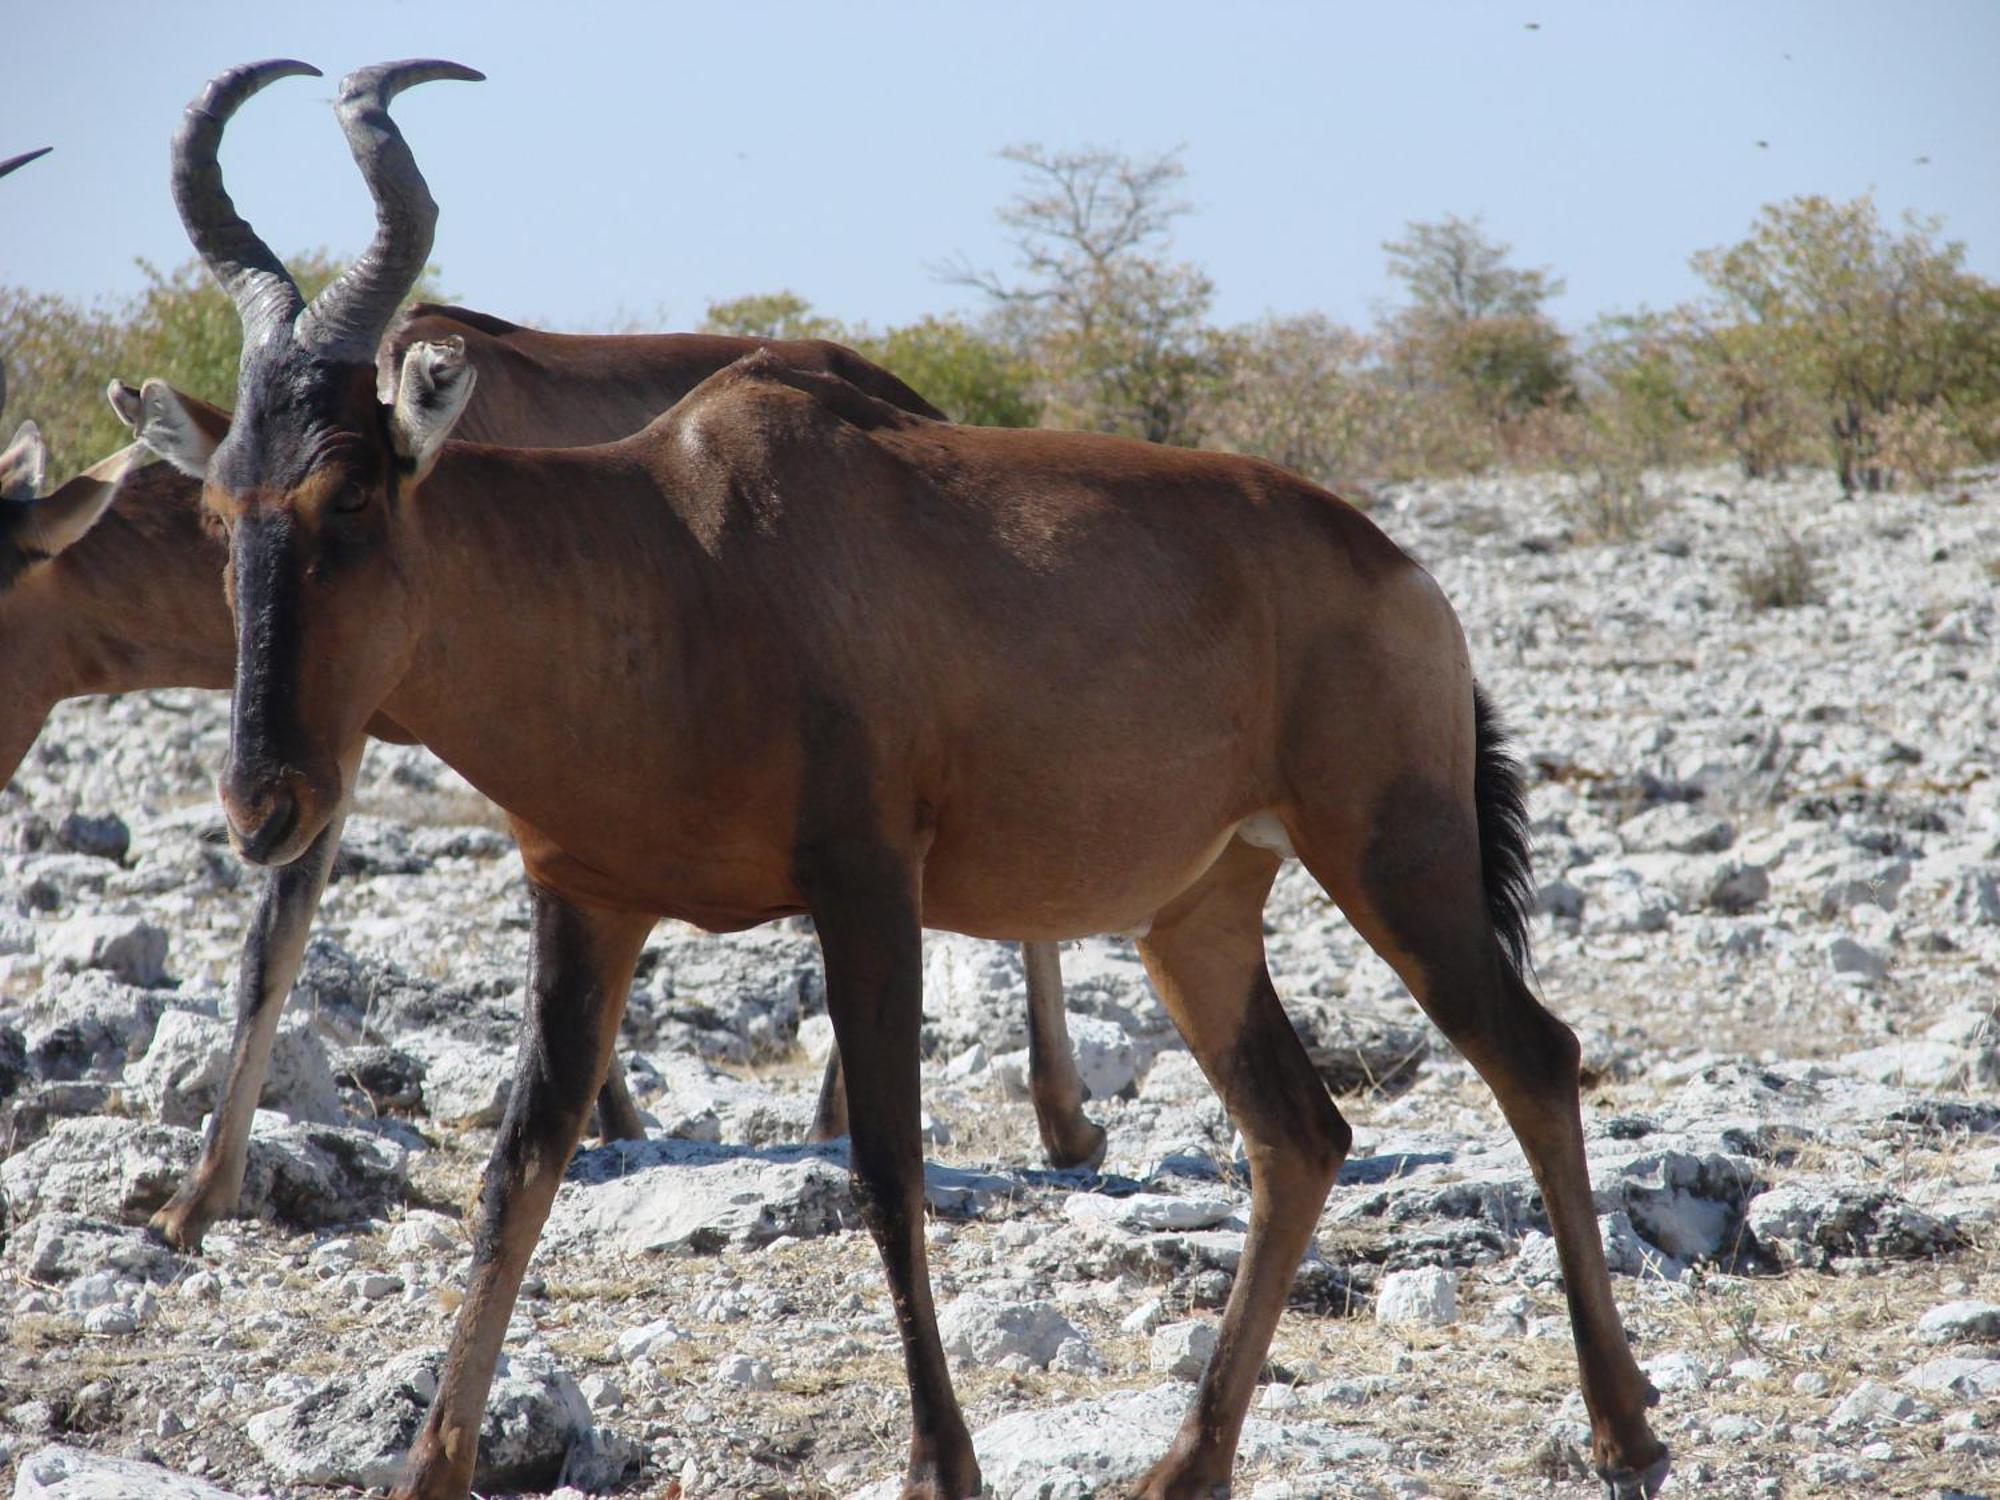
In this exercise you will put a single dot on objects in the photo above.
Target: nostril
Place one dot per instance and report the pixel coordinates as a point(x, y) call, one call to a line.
point(281, 815)
point(260, 815)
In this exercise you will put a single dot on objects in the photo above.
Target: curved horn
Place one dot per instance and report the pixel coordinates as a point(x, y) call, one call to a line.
point(266, 298)
point(352, 314)
point(22, 160)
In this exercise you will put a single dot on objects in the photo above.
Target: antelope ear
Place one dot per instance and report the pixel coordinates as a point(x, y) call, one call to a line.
point(435, 383)
point(162, 421)
point(124, 399)
point(57, 521)
point(23, 464)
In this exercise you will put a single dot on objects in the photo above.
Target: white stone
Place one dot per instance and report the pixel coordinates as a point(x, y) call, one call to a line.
point(59, 1472)
point(129, 947)
point(1181, 1350)
point(1960, 1322)
point(1855, 960)
point(1871, 1403)
point(744, 1370)
point(1142, 1319)
point(1147, 1211)
point(1175, 1078)
point(180, 1078)
point(422, 1232)
point(688, 1197)
point(644, 1342)
point(1077, 1357)
point(1097, 1447)
point(1105, 1057)
point(1864, 883)
point(1971, 1379)
point(816, 1037)
point(1676, 1371)
point(1426, 1296)
point(464, 1084)
point(985, 1330)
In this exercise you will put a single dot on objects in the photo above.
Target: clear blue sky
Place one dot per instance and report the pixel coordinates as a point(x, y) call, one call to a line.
point(635, 160)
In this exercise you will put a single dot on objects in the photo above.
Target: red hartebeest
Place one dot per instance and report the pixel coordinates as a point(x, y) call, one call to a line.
point(791, 649)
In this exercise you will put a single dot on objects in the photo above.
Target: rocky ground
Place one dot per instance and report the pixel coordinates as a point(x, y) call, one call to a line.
point(1769, 865)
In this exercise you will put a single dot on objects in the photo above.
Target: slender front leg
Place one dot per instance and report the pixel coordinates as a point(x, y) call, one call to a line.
point(864, 904)
point(1070, 1138)
point(272, 951)
point(579, 967)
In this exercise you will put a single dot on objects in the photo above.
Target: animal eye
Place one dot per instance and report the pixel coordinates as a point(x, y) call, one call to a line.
point(348, 501)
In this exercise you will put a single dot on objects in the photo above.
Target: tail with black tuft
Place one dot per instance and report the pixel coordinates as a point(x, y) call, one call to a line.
point(1504, 861)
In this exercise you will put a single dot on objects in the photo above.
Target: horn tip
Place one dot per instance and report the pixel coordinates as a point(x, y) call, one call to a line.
point(23, 159)
point(386, 80)
point(274, 68)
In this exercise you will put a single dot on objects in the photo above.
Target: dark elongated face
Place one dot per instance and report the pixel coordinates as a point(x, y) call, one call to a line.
point(321, 581)
point(314, 479)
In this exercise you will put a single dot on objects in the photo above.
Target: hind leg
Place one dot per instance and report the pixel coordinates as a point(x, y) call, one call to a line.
point(1205, 954)
point(1070, 1138)
point(1408, 875)
point(617, 1116)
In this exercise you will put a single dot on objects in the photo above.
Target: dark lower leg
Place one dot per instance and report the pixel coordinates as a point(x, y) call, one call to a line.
point(1418, 897)
point(579, 969)
point(865, 912)
point(1070, 1138)
point(272, 951)
point(1533, 1073)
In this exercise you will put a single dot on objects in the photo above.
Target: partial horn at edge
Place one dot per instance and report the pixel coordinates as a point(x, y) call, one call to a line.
point(23, 159)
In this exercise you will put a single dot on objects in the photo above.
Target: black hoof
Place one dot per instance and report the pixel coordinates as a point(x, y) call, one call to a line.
point(1631, 1484)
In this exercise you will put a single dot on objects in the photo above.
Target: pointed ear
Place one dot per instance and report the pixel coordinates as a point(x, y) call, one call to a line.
point(23, 464)
point(124, 399)
point(57, 521)
point(165, 423)
point(431, 393)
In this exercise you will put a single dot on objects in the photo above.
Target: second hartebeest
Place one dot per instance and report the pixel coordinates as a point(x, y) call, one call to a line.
point(791, 649)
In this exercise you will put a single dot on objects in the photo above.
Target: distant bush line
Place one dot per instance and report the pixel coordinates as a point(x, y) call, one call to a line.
point(1825, 338)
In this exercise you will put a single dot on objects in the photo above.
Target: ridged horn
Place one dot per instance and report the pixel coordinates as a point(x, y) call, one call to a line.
point(351, 315)
point(266, 298)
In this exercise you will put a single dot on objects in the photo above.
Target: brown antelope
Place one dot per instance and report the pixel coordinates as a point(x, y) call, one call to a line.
point(791, 649)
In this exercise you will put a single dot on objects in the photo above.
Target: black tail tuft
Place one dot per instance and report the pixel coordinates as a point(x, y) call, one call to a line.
point(1504, 860)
